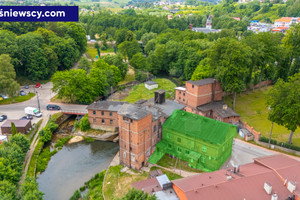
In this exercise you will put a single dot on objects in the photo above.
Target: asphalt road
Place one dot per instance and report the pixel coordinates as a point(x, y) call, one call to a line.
point(244, 153)
point(16, 111)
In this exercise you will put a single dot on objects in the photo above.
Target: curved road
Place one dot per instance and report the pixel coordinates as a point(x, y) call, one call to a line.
point(16, 111)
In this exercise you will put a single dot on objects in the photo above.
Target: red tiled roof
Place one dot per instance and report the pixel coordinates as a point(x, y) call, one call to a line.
point(247, 184)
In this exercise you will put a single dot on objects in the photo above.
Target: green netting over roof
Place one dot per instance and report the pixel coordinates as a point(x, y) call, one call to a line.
point(198, 126)
point(202, 142)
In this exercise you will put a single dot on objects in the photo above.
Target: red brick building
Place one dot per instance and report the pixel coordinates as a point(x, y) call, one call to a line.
point(140, 128)
point(103, 115)
point(204, 97)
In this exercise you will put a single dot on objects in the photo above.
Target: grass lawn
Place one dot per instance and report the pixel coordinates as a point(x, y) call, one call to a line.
point(253, 110)
point(168, 162)
point(18, 99)
point(171, 176)
point(92, 52)
point(118, 183)
point(140, 92)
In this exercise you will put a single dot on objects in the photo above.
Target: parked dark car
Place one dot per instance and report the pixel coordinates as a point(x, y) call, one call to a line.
point(22, 93)
point(3, 117)
point(53, 107)
point(27, 117)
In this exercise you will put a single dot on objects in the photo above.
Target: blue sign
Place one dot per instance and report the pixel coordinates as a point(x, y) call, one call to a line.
point(38, 13)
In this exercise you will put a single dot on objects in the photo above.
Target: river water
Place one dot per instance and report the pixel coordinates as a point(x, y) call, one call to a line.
point(73, 165)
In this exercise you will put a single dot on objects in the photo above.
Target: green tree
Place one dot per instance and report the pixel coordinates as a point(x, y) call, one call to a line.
point(30, 190)
point(8, 191)
point(230, 59)
point(84, 64)
point(203, 70)
point(129, 48)
point(139, 61)
point(8, 84)
point(20, 140)
point(291, 42)
point(13, 129)
point(84, 123)
point(284, 104)
point(73, 85)
point(147, 37)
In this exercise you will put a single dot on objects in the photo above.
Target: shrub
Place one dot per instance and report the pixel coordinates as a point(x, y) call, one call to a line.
point(76, 195)
point(84, 123)
point(266, 140)
point(45, 134)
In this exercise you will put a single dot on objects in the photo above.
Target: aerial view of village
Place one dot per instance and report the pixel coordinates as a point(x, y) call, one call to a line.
point(150, 100)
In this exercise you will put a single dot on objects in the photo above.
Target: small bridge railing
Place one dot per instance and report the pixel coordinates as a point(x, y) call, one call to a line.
point(75, 112)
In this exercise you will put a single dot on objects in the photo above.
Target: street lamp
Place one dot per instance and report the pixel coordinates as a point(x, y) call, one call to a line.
point(38, 100)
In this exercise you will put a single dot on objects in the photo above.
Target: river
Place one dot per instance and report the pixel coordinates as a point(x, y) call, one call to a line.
point(73, 165)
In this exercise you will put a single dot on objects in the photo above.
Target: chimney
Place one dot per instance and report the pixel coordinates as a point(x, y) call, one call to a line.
point(291, 186)
point(159, 96)
point(225, 107)
point(268, 188)
point(274, 197)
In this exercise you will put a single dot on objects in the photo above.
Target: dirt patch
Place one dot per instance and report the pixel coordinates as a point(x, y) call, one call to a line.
point(119, 95)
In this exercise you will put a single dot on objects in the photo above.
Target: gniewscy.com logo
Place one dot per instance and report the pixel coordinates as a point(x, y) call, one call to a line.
point(38, 13)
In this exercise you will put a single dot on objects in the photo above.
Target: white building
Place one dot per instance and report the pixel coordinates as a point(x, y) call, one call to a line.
point(151, 85)
point(208, 28)
point(286, 21)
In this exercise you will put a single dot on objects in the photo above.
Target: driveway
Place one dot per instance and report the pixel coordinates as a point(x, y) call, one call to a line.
point(244, 153)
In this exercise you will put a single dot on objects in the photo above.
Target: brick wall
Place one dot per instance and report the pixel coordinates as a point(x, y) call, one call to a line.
point(251, 130)
point(181, 96)
point(135, 141)
point(106, 120)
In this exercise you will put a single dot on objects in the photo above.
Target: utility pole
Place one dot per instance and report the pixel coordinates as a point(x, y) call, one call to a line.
point(38, 100)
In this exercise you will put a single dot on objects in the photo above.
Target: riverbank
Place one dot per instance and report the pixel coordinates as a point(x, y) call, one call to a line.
point(97, 134)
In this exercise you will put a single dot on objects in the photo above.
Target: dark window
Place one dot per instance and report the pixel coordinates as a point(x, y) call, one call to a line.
point(183, 94)
point(94, 112)
point(124, 118)
point(179, 149)
point(94, 120)
point(154, 128)
point(169, 145)
point(103, 121)
point(178, 140)
point(111, 121)
point(179, 92)
point(110, 114)
point(102, 112)
point(183, 99)
point(179, 98)
point(192, 86)
point(187, 152)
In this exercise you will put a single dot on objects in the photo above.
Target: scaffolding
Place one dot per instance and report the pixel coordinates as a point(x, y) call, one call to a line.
point(202, 142)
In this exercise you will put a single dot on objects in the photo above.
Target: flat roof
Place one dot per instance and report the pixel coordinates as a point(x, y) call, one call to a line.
point(106, 105)
point(151, 83)
point(18, 123)
point(203, 81)
point(180, 88)
point(133, 111)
